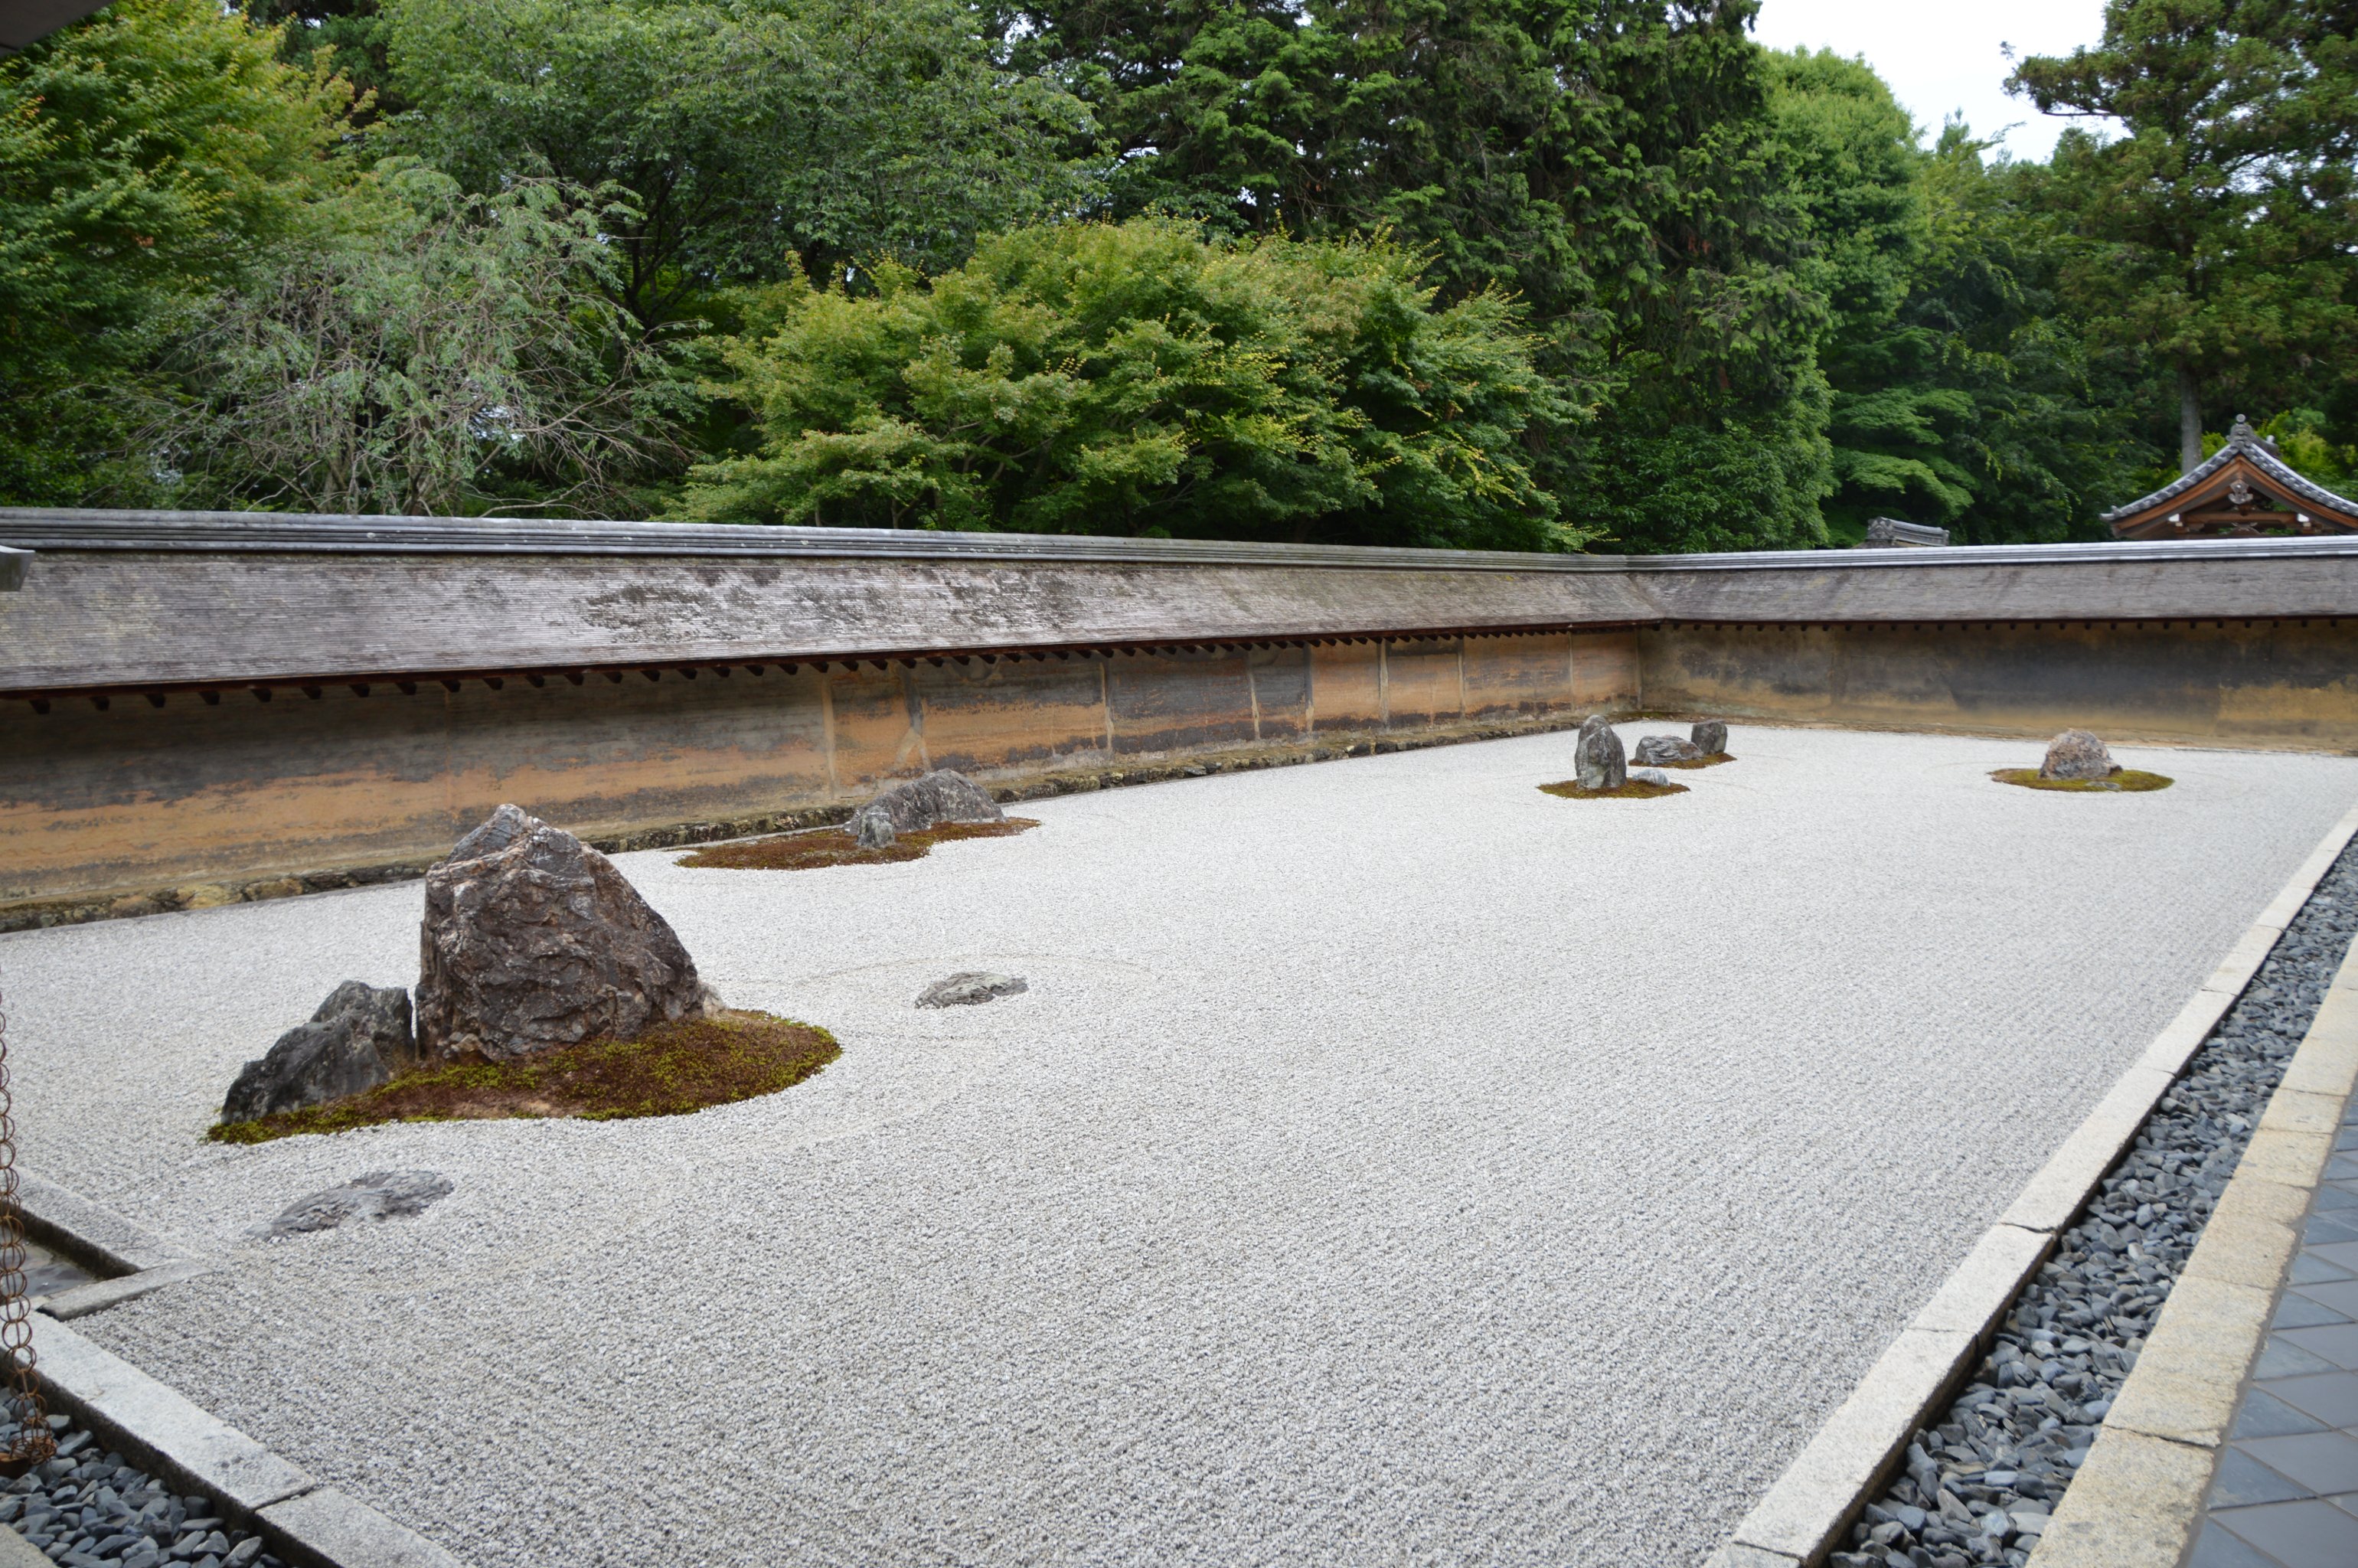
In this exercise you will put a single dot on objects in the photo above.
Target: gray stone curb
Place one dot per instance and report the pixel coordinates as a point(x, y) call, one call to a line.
point(1803, 1517)
point(2137, 1500)
point(303, 1520)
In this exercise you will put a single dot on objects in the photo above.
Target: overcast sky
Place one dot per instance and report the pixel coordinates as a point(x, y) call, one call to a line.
point(1946, 55)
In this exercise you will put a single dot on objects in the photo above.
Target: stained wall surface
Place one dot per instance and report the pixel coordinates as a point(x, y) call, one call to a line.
point(136, 795)
point(2246, 684)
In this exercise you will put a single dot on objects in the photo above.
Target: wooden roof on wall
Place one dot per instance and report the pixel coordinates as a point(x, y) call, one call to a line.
point(2242, 491)
point(118, 600)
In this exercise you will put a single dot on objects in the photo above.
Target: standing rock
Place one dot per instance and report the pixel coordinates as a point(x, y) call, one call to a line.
point(871, 827)
point(2076, 755)
point(942, 795)
point(1599, 761)
point(359, 1038)
point(531, 939)
point(1654, 749)
point(1710, 737)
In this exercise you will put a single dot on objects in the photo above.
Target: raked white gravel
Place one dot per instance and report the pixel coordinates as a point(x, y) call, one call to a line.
point(1390, 1164)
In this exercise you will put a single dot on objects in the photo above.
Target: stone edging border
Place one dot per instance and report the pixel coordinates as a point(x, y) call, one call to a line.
point(2137, 1499)
point(1803, 1517)
point(304, 1521)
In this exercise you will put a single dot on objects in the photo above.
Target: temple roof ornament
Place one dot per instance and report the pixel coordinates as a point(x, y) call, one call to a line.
point(2242, 491)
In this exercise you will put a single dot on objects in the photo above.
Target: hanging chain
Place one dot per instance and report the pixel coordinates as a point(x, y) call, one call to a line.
point(34, 1443)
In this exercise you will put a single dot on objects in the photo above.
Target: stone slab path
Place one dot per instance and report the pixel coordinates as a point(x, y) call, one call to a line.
point(2286, 1492)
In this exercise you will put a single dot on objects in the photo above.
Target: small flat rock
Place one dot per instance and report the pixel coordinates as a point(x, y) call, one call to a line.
point(379, 1195)
point(1649, 776)
point(968, 987)
point(1656, 749)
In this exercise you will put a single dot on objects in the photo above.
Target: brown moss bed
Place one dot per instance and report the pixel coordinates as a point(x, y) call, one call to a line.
point(2128, 780)
point(834, 846)
point(1633, 790)
point(671, 1070)
point(1711, 762)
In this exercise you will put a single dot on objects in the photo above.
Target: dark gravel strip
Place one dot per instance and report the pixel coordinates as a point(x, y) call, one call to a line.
point(88, 1507)
point(1978, 1486)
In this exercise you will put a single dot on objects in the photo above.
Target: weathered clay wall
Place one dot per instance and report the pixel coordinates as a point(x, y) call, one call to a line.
point(2290, 684)
point(136, 797)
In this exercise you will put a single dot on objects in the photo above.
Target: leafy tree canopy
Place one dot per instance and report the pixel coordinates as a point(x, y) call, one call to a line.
point(2215, 233)
point(1133, 378)
point(745, 131)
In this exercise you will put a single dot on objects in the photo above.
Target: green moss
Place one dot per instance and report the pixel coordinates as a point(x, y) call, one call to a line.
point(672, 1070)
point(2128, 780)
point(1633, 790)
point(834, 846)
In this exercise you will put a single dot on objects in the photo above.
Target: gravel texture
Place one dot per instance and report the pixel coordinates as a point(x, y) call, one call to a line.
point(90, 1507)
point(1389, 1163)
point(1979, 1487)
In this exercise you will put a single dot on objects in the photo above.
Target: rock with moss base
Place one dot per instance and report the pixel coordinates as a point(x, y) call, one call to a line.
point(1710, 737)
point(1655, 749)
point(359, 1038)
point(532, 939)
point(2076, 755)
point(943, 796)
point(871, 827)
point(1599, 762)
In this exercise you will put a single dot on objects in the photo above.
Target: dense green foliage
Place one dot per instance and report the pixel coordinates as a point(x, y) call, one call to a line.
point(2216, 234)
point(1086, 377)
point(1532, 274)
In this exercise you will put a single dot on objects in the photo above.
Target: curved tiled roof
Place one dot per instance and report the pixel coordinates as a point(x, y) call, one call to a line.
point(2255, 449)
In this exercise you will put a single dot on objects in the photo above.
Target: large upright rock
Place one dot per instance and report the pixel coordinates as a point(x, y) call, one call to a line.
point(360, 1037)
point(532, 940)
point(1599, 762)
point(2076, 755)
point(942, 795)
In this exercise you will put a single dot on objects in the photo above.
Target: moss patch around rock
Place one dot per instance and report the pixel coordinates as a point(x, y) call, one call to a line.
point(671, 1070)
point(1711, 762)
point(2129, 781)
point(834, 846)
point(1569, 790)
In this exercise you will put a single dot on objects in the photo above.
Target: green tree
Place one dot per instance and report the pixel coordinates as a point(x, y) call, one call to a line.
point(2219, 232)
point(1609, 161)
point(746, 131)
point(1136, 379)
point(147, 156)
point(431, 352)
point(354, 33)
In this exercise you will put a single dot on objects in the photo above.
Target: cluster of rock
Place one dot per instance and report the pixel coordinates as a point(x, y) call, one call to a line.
point(942, 795)
point(91, 1508)
point(2076, 755)
point(1600, 763)
point(533, 940)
